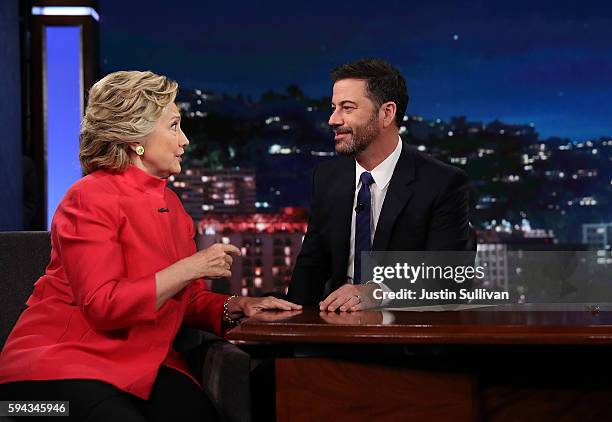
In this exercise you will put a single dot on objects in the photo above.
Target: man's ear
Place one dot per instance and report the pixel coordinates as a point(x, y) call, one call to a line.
point(389, 109)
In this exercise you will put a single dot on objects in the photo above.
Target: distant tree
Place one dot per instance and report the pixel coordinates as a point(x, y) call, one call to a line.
point(271, 96)
point(294, 91)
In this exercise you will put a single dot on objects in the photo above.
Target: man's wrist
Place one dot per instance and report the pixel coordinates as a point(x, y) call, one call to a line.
point(378, 286)
point(370, 286)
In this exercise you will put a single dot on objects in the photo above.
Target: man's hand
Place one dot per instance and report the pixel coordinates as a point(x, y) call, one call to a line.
point(350, 298)
point(352, 318)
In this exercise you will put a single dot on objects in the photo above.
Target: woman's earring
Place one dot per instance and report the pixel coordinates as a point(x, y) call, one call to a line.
point(139, 150)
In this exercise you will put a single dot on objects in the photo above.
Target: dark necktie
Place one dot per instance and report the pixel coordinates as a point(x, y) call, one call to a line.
point(362, 223)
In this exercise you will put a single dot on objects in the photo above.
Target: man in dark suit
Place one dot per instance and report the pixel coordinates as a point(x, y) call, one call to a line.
point(382, 195)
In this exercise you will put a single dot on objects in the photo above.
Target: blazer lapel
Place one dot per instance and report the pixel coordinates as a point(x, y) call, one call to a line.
point(344, 191)
point(398, 195)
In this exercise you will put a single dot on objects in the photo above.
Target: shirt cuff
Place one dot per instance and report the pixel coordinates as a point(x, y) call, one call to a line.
point(386, 290)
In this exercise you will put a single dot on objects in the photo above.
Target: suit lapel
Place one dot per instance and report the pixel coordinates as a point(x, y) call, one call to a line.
point(344, 191)
point(399, 193)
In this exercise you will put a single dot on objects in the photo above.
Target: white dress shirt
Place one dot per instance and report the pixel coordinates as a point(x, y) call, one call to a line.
point(382, 176)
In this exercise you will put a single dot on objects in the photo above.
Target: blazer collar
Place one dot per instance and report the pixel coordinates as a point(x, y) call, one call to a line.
point(144, 181)
point(383, 172)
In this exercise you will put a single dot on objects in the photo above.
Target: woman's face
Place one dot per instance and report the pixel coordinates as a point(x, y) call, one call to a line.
point(164, 146)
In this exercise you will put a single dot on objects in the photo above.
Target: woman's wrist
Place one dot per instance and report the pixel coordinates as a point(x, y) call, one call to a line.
point(232, 308)
point(236, 306)
point(188, 270)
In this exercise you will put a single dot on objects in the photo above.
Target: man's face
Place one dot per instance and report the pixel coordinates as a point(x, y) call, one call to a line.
point(354, 118)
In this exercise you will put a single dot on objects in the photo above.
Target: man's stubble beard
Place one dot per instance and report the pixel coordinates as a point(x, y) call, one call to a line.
point(362, 138)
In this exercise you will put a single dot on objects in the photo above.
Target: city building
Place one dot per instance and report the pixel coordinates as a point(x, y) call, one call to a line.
point(521, 131)
point(499, 251)
point(598, 235)
point(230, 191)
point(269, 244)
point(493, 257)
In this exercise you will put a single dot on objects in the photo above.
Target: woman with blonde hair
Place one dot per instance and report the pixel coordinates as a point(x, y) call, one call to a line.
point(124, 272)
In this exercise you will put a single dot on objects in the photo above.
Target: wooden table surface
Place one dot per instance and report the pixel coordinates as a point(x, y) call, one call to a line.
point(505, 324)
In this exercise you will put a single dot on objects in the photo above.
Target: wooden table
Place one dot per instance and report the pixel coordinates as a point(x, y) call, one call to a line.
point(508, 363)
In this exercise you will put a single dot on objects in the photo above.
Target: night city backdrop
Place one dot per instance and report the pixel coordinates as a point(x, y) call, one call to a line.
point(518, 94)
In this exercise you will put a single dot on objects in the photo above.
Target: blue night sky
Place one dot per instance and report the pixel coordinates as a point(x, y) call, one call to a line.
point(546, 62)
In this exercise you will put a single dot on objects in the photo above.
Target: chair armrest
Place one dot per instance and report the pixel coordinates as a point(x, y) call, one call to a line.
point(223, 368)
point(226, 378)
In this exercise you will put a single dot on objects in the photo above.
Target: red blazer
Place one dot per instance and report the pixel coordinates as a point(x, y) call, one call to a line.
point(92, 314)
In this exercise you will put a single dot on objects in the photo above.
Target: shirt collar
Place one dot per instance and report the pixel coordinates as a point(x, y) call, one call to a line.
point(144, 181)
point(382, 173)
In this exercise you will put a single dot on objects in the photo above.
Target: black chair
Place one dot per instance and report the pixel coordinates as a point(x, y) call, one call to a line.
point(224, 368)
point(23, 258)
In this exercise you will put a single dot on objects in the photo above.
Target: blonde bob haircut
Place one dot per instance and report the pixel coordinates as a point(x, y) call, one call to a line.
point(122, 108)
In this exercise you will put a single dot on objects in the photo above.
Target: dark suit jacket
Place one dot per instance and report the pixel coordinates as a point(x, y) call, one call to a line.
point(425, 208)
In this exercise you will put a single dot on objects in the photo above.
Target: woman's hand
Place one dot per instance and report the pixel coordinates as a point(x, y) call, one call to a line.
point(212, 262)
point(249, 306)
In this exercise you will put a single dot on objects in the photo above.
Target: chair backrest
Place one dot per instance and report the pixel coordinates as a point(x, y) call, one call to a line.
point(225, 368)
point(23, 258)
